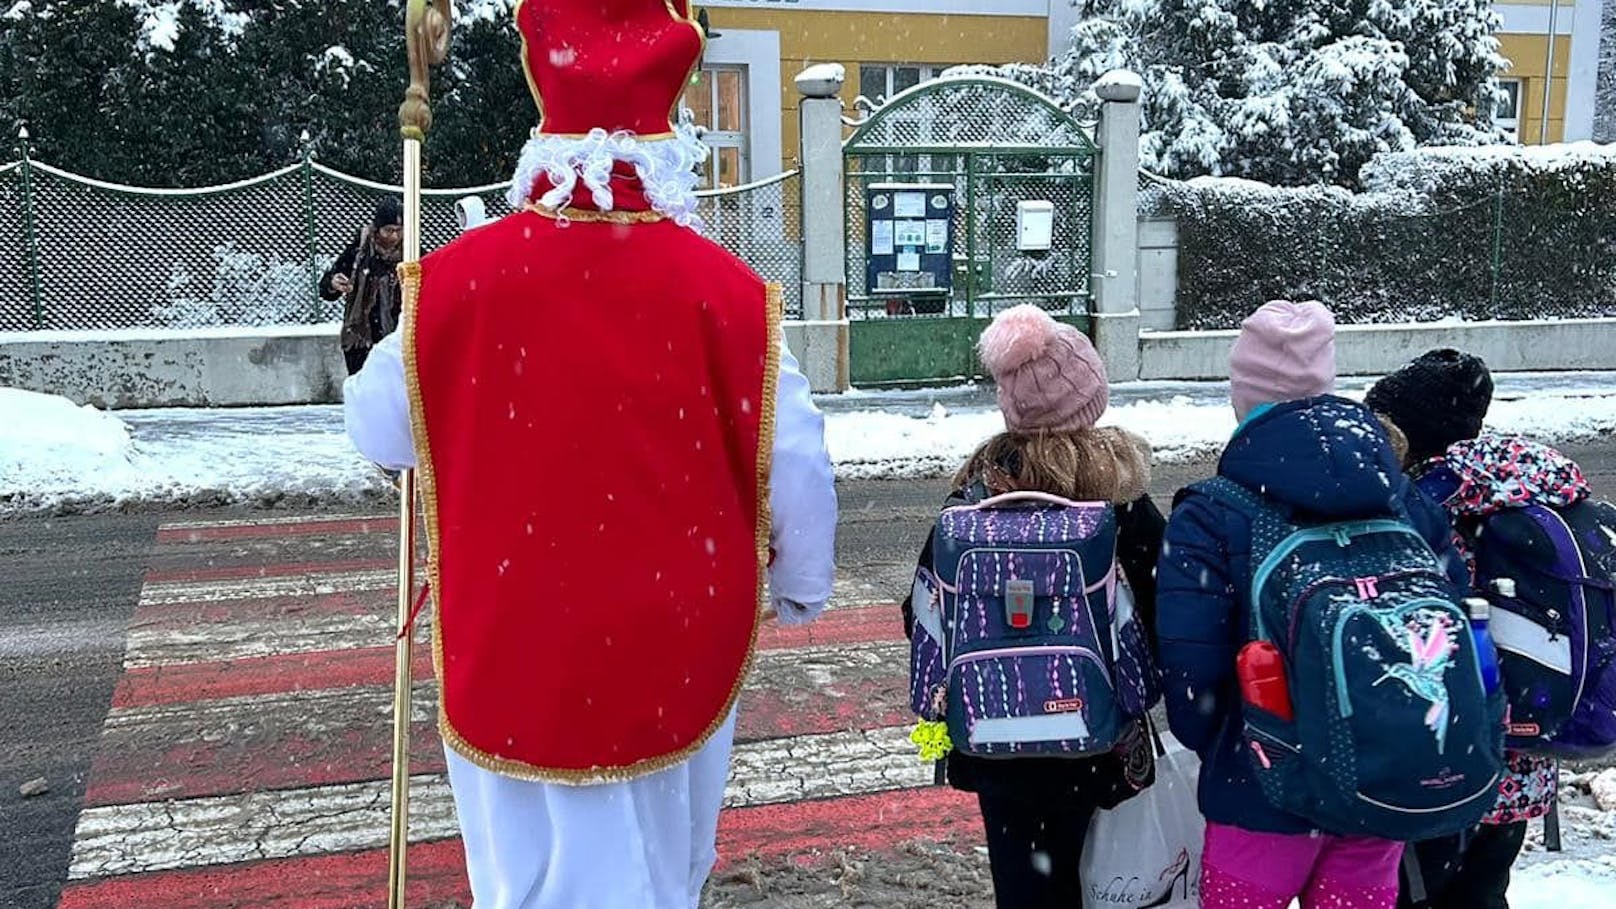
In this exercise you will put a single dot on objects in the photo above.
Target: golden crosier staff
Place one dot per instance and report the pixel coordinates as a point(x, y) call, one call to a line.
point(426, 37)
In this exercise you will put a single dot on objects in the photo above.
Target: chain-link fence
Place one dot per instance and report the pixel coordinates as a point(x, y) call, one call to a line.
point(80, 254)
point(762, 224)
point(1537, 246)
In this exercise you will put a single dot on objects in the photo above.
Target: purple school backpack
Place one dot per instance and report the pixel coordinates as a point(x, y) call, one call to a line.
point(1025, 641)
point(1544, 554)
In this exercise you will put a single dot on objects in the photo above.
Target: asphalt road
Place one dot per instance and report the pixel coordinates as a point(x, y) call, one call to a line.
point(69, 584)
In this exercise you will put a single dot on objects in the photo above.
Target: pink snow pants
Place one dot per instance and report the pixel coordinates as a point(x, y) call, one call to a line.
point(1245, 870)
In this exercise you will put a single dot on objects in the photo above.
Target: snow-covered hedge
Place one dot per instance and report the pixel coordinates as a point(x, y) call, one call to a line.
point(1470, 233)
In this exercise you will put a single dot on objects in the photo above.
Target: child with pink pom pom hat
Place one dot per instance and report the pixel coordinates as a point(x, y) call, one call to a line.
point(1052, 391)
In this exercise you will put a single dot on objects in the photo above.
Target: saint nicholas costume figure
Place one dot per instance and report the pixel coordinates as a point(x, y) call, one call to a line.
point(622, 473)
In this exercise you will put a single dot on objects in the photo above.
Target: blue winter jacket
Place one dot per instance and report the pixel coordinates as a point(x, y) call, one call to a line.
point(1325, 459)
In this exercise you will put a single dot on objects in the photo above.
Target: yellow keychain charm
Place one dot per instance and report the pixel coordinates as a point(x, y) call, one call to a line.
point(932, 739)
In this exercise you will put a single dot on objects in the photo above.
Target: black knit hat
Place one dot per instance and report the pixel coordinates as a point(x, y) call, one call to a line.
point(388, 211)
point(1438, 399)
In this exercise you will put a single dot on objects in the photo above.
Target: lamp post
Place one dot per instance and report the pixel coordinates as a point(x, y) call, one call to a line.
point(1548, 72)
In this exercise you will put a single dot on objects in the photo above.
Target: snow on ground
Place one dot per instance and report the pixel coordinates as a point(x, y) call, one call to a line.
point(55, 455)
point(1184, 421)
point(1584, 875)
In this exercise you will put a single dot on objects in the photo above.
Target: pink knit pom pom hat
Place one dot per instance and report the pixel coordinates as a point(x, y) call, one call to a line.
point(1049, 375)
point(1285, 352)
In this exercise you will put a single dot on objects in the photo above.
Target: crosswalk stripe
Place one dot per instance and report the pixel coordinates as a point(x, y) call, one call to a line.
point(318, 737)
point(270, 824)
point(300, 585)
point(173, 641)
point(294, 525)
point(437, 869)
point(158, 681)
point(249, 739)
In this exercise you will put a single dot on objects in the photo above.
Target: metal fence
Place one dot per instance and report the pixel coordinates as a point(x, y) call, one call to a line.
point(991, 271)
point(81, 254)
point(997, 143)
point(1532, 245)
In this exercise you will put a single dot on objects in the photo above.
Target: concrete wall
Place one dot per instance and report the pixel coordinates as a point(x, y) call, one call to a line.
point(212, 368)
point(257, 367)
point(1570, 344)
point(1158, 274)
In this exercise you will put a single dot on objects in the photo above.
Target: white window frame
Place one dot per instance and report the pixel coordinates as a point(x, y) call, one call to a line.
point(928, 71)
point(758, 51)
point(726, 139)
point(1511, 125)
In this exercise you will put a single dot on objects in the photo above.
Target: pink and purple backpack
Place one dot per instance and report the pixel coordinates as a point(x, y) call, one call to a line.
point(1025, 640)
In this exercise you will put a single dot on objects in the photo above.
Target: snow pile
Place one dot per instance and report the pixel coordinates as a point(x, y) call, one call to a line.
point(55, 455)
point(1180, 429)
point(52, 450)
point(1554, 419)
point(873, 444)
point(1603, 789)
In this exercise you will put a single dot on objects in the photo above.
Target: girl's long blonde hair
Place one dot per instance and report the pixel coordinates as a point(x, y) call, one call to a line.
point(1093, 465)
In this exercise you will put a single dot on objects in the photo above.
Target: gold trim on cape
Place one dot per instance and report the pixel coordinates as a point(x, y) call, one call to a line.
point(410, 275)
point(589, 215)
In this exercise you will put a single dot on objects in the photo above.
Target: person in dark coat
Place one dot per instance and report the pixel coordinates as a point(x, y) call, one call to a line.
point(1439, 399)
point(1327, 459)
point(365, 276)
point(1052, 388)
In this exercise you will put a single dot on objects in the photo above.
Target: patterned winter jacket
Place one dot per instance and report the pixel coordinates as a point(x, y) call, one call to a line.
point(1496, 472)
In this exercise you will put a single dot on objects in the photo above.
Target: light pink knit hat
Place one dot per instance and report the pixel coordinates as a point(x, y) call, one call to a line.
point(1049, 375)
point(1285, 352)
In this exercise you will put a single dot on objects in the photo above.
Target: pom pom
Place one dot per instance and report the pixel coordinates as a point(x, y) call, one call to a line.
point(932, 739)
point(1016, 336)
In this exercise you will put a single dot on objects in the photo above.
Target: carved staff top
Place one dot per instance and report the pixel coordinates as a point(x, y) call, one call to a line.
point(426, 37)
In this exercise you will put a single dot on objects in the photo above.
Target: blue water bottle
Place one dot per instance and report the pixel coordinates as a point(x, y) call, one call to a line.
point(1486, 653)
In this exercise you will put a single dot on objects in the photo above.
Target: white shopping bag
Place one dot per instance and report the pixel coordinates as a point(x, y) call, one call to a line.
point(1146, 852)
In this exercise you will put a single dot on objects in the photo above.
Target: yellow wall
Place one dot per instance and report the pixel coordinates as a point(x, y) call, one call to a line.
point(1527, 54)
point(809, 37)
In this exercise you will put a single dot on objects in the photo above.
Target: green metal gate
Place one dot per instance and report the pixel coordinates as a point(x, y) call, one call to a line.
point(998, 144)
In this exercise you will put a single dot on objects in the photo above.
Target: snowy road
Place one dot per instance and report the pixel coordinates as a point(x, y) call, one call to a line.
point(206, 693)
point(55, 457)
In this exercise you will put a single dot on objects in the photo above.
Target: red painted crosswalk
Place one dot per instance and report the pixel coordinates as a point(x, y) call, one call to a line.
point(245, 756)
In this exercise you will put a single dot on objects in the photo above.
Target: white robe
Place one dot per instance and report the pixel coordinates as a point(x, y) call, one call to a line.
point(647, 843)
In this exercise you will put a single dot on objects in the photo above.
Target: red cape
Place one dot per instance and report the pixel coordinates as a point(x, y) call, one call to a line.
point(593, 409)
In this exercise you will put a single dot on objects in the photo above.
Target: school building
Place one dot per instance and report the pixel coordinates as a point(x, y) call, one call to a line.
point(744, 97)
point(1568, 65)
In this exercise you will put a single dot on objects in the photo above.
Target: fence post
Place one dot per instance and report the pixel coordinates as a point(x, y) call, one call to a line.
point(822, 345)
point(1498, 249)
point(1115, 278)
point(308, 218)
point(30, 231)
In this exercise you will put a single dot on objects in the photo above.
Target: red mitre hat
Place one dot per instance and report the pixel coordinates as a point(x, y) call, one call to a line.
point(617, 65)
